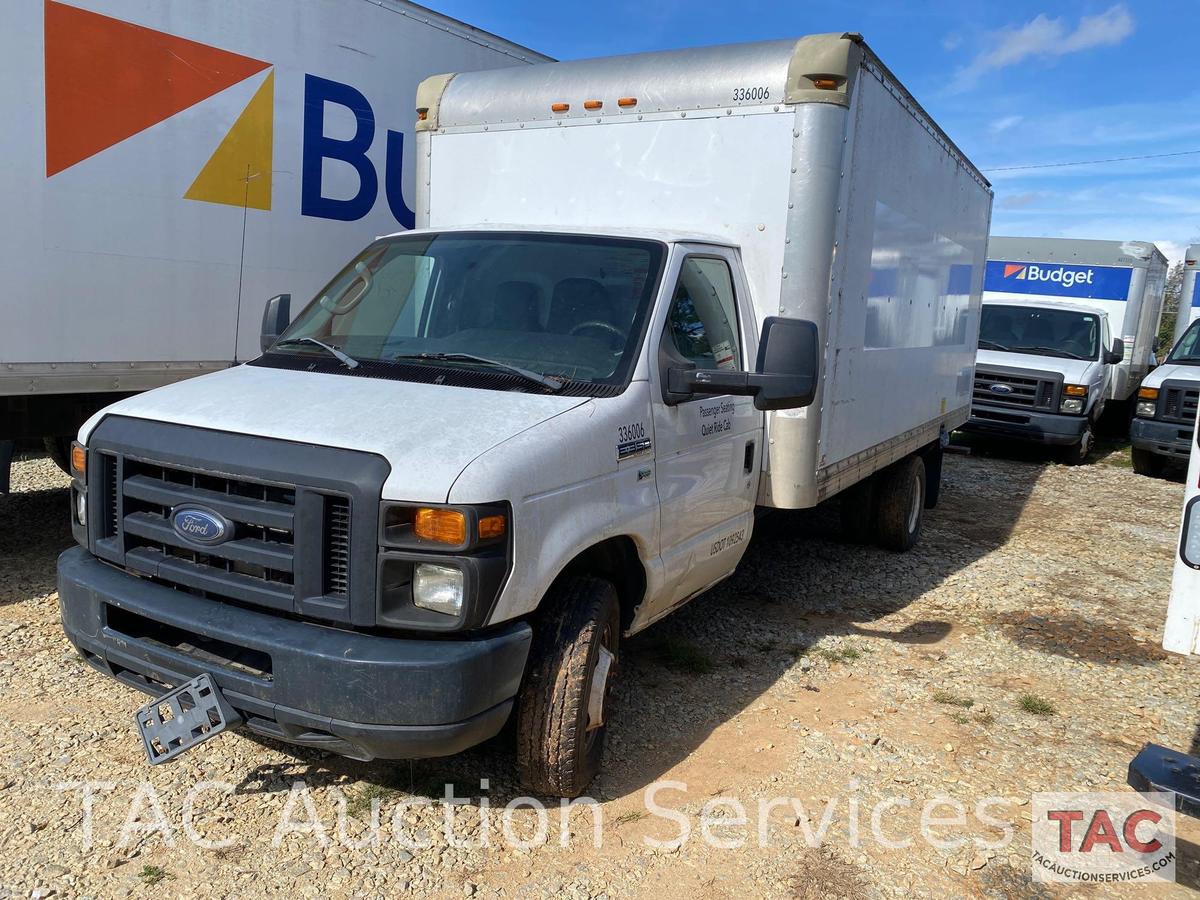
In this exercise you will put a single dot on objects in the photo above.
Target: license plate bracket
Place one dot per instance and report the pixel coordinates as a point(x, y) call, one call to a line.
point(185, 716)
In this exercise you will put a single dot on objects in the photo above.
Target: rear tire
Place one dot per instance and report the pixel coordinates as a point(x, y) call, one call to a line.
point(1148, 463)
point(933, 476)
point(901, 504)
point(559, 746)
point(1077, 454)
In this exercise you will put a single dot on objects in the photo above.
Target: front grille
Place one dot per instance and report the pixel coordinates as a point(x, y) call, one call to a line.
point(1179, 403)
point(1025, 391)
point(300, 521)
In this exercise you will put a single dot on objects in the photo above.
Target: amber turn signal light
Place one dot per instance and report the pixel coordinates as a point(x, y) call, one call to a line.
point(1076, 390)
point(491, 527)
point(445, 526)
point(1147, 393)
point(78, 460)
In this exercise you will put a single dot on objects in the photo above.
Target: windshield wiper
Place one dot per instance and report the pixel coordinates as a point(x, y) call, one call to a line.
point(345, 359)
point(991, 345)
point(1049, 351)
point(548, 383)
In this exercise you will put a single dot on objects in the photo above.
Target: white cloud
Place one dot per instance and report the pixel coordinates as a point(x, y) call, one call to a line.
point(1047, 38)
point(1005, 123)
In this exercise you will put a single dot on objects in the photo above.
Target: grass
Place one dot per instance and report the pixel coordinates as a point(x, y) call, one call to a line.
point(631, 816)
point(960, 718)
point(985, 718)
point(153, 874)
point(1113, 453)
point(358, 804)
point(946, 698)
point(1035, 705)
point(684, 656)
point(839, 654)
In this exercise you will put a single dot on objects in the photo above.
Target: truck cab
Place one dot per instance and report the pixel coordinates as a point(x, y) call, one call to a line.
point(1165, 414)
point(1043, 373)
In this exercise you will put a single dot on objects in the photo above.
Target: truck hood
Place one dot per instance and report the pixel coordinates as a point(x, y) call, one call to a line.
point(428, 433)
point(1074, 371)
point(1171, 370)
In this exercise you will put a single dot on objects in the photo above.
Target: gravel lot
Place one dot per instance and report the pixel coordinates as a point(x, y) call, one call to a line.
point(822, 672)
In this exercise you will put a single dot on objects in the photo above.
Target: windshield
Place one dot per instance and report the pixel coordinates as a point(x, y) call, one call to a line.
point(569, 307)
point(1187, 351)
point(1040, 331)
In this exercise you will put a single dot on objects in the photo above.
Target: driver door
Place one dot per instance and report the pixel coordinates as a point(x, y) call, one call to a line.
point(707, 449)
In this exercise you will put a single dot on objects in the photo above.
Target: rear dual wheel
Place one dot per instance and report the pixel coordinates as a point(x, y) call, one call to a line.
point(888, 509)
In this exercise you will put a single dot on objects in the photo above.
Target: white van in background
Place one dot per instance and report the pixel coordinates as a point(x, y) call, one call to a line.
point(1165, 413)
point(168, 165)
point(1043, 373)
point(1047, 376)
point(1189, 292)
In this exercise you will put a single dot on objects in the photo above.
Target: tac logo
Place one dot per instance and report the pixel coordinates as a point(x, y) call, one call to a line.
point(108, 80)
point(1103, 837)
point(1063, 275)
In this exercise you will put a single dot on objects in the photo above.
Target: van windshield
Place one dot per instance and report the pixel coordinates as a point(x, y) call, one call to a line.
point(1040, 331)
point(1187, 351)
point(568, 309)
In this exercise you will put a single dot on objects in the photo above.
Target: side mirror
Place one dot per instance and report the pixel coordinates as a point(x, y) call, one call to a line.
point(1116, 354)
point(785, 376)
point(276, 317)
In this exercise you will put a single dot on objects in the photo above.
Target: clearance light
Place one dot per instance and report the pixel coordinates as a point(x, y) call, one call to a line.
point(78, 460)
point(491, 527)
point(559, 107)
point(1076, 390)
point(445, 526)
point(593, 104)
point(422, 114)
point(627, 101)
point(825, 84)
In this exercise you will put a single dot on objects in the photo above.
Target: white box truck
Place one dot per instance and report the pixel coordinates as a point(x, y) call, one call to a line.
point(165, 161)
point(1068, 326)
point(648, 294)
point(1162, 428)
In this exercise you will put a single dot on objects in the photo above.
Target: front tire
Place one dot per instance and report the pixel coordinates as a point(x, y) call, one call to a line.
point(560, 724)
point(901, 504)
point(1148, 463)
point(1077, 454)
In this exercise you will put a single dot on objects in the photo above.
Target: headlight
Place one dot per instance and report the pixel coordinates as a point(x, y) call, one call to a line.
point(438, 588)
point(1072, 405)
point(1147, 409)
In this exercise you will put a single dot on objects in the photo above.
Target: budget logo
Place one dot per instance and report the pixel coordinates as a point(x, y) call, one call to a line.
point(1103, 837)
point(107, 80)
point(1010, 270)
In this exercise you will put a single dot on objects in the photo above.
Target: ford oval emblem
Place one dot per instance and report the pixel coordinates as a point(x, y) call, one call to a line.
point(1000, 389)
point(200, 526)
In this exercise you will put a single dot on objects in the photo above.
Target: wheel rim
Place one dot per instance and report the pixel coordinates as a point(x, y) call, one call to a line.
point(914, 509)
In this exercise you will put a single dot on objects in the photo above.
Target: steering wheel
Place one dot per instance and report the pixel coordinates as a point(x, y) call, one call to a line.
point(596, 323)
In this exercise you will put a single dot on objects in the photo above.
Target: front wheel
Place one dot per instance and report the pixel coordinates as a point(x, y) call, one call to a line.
point(1077, 454)
point(562, 713)
point(1148, 463)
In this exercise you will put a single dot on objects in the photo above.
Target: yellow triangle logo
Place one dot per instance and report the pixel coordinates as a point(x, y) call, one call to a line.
point(239, 171)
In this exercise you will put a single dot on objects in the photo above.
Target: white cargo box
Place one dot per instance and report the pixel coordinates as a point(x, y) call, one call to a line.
point(851, 208)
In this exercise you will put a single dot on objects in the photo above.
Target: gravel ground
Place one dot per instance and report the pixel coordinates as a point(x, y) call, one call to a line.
point(832, 675)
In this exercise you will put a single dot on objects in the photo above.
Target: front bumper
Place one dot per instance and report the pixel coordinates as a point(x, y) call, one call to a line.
point(1055, 429)
point(1172, 439)
point(361, 695)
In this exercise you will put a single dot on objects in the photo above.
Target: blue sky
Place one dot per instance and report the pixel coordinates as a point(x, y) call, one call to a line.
point(1013, 83)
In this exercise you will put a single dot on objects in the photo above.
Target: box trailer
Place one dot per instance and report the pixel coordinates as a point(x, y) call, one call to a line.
point(648, 295)
point(1189, 297)
point(1123, 279)
point(165, 161)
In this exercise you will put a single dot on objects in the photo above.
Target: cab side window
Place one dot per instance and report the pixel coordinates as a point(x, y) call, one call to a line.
point(702, 322)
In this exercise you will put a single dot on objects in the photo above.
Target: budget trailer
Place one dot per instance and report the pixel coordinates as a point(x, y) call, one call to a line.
point(648, 294)
point(166, 161)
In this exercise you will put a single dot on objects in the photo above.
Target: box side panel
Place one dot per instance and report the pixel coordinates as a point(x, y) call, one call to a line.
point(722, 175)
point(139, 225)
point(906, 289)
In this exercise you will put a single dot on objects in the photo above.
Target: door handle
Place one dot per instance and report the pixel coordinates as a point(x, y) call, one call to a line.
point(748, 458)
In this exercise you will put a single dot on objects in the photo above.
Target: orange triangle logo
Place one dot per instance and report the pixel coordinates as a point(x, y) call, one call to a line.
point(107, 80)
point(1009, 268)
